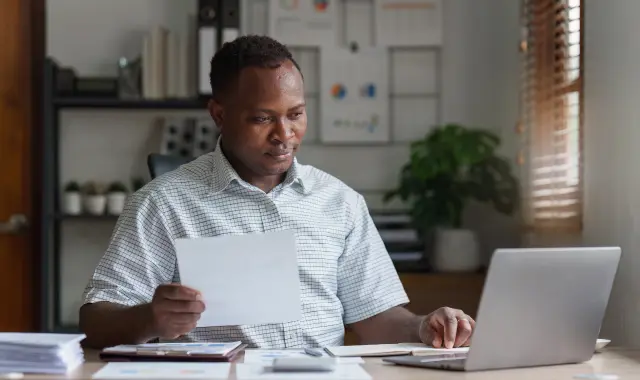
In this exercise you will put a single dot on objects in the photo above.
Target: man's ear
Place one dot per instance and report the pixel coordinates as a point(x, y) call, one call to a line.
point(217, 113)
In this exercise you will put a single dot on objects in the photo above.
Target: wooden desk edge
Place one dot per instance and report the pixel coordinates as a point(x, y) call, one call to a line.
point(620, 361)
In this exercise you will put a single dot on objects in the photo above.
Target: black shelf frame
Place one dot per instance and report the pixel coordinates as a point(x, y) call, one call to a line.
point(102, 103)
point(52, 217)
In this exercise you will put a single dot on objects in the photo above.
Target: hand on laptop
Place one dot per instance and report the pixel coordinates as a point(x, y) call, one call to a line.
point(175, 310)
point(447, 328)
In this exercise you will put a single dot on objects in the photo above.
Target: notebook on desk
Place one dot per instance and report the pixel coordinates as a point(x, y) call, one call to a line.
point(415, 349)
point(206, 352)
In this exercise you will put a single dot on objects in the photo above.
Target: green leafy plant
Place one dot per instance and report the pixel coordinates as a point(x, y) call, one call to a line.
point(72, 187)
point(117, 187)
point(93, 188)
point(449, 167)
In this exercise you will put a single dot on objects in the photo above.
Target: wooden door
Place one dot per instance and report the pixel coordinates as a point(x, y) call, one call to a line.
point(21, 62)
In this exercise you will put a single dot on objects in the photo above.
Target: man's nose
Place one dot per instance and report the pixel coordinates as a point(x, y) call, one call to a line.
point(283, 130)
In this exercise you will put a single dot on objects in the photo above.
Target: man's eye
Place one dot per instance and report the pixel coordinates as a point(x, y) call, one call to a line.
point(261, 119)
point(295, 116)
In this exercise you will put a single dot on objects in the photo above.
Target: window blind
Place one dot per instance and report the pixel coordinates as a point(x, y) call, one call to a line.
point(551, 114)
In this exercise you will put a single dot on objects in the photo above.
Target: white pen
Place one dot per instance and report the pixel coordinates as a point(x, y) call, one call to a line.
point(312, 352)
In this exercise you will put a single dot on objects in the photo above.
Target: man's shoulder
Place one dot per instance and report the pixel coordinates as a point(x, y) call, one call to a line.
point(322, 182)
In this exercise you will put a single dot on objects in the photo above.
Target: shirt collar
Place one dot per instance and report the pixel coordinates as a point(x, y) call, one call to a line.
point(224, 174)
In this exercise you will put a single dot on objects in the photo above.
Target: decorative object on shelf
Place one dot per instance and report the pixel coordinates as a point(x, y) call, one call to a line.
point(205, 136)
point(116, 198)
point(177, 136)
point(95, 200)
point(449, 167)
point(72, 199)
point(129, 78)
point(188, 137)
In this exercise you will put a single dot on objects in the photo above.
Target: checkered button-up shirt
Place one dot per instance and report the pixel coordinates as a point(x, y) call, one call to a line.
point(346, 274)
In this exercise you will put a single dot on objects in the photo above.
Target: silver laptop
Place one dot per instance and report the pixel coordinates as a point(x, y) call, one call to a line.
point(539, 307)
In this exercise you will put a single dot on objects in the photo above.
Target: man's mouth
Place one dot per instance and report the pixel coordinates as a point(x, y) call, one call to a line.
point(281, 154)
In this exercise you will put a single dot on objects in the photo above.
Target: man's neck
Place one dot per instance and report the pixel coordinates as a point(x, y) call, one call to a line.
point(264, 183)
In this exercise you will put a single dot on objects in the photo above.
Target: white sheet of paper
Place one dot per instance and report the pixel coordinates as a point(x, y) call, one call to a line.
point(244, 279)
point(163, 370)
point(266, 357)
point(259, 372)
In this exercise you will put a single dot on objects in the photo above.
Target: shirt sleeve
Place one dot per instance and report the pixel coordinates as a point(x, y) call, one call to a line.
point(368, 283)
point(140, 256)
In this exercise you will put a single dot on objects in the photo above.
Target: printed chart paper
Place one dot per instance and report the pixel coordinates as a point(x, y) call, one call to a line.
point(163, 370)
point(354, 95)
point(303, 22)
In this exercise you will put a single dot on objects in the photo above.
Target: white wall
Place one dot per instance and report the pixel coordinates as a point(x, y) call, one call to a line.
point(479, 84)
point(612, 133)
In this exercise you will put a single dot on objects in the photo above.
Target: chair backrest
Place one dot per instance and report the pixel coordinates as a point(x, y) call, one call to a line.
point(160, 164)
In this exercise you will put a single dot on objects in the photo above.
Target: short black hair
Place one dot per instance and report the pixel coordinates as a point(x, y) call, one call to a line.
point(246, 51)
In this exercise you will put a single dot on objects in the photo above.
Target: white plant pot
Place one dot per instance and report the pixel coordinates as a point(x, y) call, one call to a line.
point(72, 203)
point(115, 203)
point(455, 250)
point(95, 204)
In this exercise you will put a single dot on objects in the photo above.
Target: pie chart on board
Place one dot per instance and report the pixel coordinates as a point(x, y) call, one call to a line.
point(338, 91)
point(320, 5)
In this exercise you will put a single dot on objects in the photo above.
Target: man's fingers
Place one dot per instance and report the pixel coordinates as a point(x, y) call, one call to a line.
point(182, 319)
point(179, 292)
point(464, 332)
point(173, 306)
point(450, 331)
point(450, 323)
point(436, 334)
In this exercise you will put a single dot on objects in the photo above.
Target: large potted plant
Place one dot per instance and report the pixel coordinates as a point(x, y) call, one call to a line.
point(451, 166)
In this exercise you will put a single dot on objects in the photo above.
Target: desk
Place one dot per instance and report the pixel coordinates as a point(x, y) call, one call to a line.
point(624, 363)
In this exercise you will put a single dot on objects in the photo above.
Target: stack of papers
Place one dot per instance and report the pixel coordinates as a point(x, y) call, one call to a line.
point(416, 349)
point(40, 352)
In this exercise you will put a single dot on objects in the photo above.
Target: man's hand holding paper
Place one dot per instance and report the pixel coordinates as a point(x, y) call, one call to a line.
point(175, 310)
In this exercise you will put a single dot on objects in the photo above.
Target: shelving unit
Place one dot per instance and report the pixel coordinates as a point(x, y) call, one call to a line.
point(414, 95)
point(53, 218)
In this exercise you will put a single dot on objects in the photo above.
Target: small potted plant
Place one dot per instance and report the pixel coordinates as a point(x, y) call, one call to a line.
point(116, 198)
point(449, 167)
point(95, 200)
point(72, 199)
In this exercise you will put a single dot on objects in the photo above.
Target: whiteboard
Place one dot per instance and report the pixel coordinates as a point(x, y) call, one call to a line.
point(304, 22)
point(408, 22)
point(354, 95)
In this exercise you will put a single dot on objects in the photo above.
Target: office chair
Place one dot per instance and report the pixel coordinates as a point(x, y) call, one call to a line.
point(160, 164)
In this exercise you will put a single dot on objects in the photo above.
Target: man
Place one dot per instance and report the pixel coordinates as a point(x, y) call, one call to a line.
point(253, 183)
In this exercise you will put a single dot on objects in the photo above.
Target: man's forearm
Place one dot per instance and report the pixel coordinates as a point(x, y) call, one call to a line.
point(107, 324)
point(395, 325)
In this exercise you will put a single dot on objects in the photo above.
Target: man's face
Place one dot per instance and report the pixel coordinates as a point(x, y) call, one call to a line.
point(263, 118)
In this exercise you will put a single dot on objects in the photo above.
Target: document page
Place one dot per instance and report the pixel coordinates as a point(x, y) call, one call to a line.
point(244, 279)
point(163, 370)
